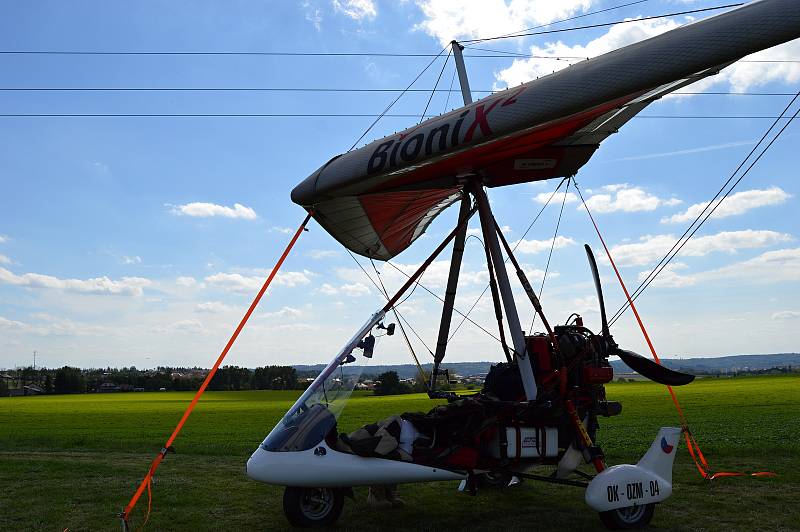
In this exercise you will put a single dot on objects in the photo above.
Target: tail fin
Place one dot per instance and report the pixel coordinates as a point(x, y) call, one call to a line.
point(661, 455)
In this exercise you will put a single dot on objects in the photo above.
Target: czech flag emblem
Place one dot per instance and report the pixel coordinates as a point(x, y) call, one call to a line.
point(667, 448)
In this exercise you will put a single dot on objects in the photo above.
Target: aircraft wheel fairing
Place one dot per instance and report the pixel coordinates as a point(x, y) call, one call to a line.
point(628, 518)
point(312, 507)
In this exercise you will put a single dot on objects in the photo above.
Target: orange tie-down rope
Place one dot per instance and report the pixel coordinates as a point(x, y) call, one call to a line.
point(148, 478)
point(694, 449)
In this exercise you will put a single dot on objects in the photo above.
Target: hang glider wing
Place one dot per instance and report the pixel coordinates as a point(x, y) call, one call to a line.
point(378, 199)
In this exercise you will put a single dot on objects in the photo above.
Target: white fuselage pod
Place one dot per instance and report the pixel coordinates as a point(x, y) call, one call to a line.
point(649, 481)
point(322, 467)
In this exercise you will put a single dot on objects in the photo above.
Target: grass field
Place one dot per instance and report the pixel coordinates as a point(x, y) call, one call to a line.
point(73, 462)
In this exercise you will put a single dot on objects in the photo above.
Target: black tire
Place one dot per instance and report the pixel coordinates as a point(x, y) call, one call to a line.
point(493, 480)
point(628, 518)
point(312, 507)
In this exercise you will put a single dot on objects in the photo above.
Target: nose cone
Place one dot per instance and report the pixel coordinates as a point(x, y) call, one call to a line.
point(256, 465)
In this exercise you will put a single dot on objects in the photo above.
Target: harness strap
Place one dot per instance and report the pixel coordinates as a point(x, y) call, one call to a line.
point(148, 478)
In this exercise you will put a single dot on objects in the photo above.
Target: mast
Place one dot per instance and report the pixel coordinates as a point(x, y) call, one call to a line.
point(462, 72)
point(458, 243)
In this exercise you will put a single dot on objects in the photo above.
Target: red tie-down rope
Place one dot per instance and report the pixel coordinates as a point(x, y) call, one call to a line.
point(148, 478)
point(694, 449)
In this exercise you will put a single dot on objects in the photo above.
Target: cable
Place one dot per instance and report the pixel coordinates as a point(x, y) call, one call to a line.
point(330, 115)
point(676, 248)
point(550, 255)
point(364, 134)
point(465, 317)
point(269, 54)
point(604, 24)
point(450, 90)
point(433, 92)
point(326, 89)
point(575, 17)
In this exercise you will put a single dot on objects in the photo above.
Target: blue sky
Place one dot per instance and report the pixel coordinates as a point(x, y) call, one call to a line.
point(121, 243)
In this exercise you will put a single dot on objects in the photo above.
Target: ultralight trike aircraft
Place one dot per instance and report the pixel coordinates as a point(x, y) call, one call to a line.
point(540, 407)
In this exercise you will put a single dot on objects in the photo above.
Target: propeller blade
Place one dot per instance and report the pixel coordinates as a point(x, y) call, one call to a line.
point(652, 370)
point(596, 275)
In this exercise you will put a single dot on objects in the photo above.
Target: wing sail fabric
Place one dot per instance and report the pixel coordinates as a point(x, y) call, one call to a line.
point(378, 199)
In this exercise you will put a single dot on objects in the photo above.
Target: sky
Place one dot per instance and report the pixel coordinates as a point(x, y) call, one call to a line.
point(142, 240)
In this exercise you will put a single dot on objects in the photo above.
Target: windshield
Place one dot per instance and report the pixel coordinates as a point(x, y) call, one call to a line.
point(315, 412)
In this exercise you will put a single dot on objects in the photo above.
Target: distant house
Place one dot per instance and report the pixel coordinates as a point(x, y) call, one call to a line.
point(108, 387)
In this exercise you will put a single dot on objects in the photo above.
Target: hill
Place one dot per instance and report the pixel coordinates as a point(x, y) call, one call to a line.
point(690, 365)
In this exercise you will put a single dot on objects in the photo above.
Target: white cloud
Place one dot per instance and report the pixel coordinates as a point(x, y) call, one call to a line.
point(212, 307)
point(205, 210)
point(236, 282)
point(741, 76)
point(524, 70)
point(11, 325)
point(625, 198)
point(313, 14)
point(191, 326)
point(356, 9)
point(284, 312)
point(186, 281)
point(558, 197)
point(786, 315)
point(354, 289)
point(537, 246)
point(670, 277)
point(772, 266)
point(447, 20)
point(3, 239)
point(735, 204)
point(99, 285)
point(283, 230)
point(4, 260)
point(782, 265)
point(319, 254)
point(328, 289)
point(136, 259)
point(687, 151)
point(652, 248)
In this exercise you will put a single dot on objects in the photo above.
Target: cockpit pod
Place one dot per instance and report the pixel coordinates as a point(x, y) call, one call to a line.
point(296, 453)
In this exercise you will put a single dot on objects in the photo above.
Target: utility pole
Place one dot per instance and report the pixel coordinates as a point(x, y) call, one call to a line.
point(34, 360)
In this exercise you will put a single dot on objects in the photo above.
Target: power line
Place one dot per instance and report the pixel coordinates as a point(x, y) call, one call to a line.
point(322, 89)
point(602, 25)
point(331, 115)
point(494, 55)
point(590, 13)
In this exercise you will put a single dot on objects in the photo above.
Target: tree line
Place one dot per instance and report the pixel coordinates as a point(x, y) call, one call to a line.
point(69, 379)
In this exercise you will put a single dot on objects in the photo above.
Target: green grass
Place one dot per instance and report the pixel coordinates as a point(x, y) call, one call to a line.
point(73, 462)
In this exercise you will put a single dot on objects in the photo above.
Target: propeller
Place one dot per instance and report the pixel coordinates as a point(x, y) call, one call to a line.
point(644, 366)
point(596, 275)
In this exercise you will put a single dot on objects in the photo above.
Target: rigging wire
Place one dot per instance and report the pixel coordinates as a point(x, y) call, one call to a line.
point(450, 90)
point(603, 24)
point(331, 89)
point(530, 226)
point(398, 98)
point(433, 92)
point(550, 254)
point(681, 242)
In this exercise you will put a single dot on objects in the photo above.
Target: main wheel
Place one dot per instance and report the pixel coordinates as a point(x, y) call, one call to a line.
point(628, 518)
point(493, 479)
point(312, 507)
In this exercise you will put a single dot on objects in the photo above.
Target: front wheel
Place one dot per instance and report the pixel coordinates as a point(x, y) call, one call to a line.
point(628, 518)
point(312, 507)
